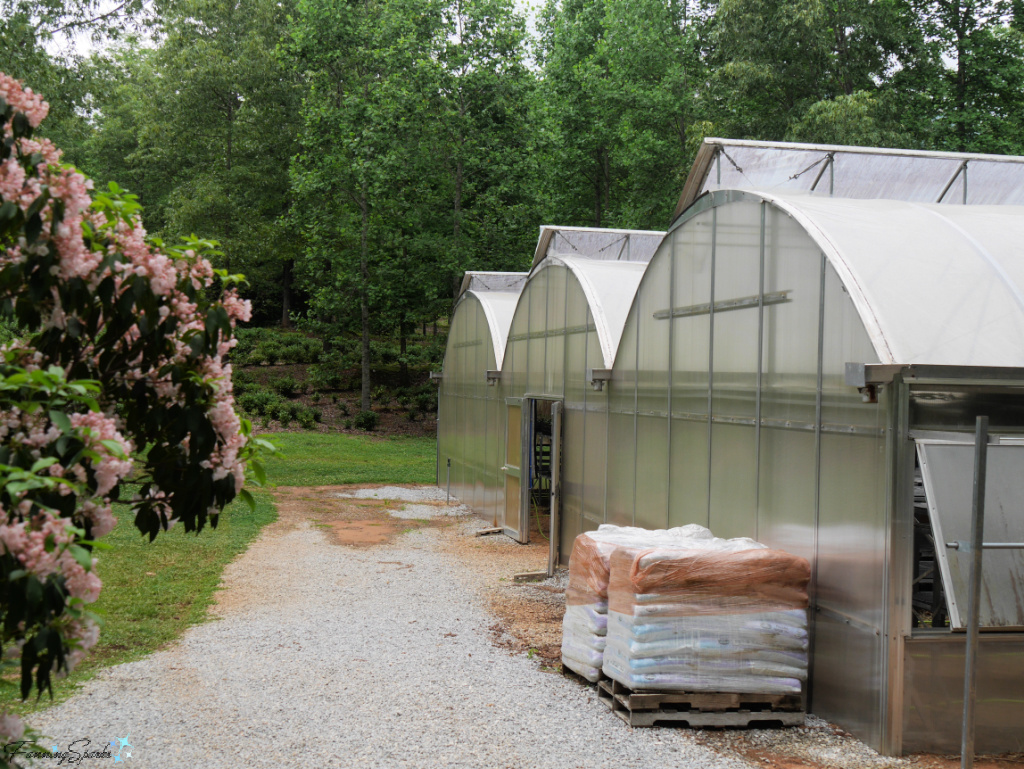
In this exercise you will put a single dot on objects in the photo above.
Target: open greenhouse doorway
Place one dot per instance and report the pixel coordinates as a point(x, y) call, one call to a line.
point(532, 470)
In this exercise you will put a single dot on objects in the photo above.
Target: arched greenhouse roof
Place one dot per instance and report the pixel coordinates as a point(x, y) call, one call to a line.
point(933, 284)
point(609, 288)
point(498, 307)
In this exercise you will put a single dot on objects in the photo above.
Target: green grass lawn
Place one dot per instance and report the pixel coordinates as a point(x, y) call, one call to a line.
point(323, 459)
point(153, 592)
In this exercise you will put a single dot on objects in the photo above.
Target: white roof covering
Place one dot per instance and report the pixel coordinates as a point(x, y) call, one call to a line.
point(498, 307)
point(934, 284)
point(609, 288)
point(596, 243)
point(855, 172)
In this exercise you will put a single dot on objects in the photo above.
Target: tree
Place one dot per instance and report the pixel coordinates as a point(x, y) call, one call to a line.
point(36, 39)
point(618, 102)
point(122, 348)
point(774, 60)
point(203, 128)
point(961, 91)
point(412, 156)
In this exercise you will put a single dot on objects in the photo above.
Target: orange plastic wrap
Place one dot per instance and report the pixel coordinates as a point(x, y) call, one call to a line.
point(588, 571)
point(686, 582)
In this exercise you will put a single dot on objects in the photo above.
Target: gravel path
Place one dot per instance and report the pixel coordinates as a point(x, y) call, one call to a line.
point(336, 656)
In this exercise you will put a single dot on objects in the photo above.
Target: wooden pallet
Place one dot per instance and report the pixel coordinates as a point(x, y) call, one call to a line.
point(700, 709)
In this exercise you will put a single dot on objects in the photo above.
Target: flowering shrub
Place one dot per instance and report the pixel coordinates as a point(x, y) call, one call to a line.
point(124, 347)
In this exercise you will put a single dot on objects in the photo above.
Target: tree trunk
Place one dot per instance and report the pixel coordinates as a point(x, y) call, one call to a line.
point(286, 295)
point(364, 301)
point(403, 367)
point(961, 79)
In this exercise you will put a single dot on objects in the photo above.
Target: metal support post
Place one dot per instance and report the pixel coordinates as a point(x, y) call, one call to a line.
point(974, 606)
point(448, 493)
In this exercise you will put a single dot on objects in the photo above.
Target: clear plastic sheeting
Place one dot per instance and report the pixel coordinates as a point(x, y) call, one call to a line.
point(948, 470)
point(493, 281)
point(854, 172)
point(584, 627)
point(711, 615)
point(598, 244)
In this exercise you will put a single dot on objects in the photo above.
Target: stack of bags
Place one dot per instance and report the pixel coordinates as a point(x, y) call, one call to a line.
point(710, 615)
point(585, 627)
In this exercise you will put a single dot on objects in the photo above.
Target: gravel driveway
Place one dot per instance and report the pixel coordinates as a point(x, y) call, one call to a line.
point(333, 656)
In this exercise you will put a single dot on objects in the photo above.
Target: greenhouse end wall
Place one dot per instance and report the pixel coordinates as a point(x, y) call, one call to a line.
point(740, 316)
point(471, 429)
point(563, 327)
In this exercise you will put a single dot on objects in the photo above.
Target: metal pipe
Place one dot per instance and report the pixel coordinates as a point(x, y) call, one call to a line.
point(757, 385)
point(987, 545)
point(711, 346)
point(448, 493)
point(974, 605)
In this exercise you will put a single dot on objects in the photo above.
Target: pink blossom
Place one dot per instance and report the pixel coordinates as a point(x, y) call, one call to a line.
point(23, 100)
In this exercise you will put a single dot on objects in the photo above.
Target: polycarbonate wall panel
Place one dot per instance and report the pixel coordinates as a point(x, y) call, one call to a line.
point(789, 386)
point(691, 340)
point(734, 370)
point(573, 430)
point(652, 307)
point(554, 366)
point(493, 480)
point(622, 430)
point(851, 564)
point(596, 448)
point(574, 426)
point(464, 432)
point(537, 324)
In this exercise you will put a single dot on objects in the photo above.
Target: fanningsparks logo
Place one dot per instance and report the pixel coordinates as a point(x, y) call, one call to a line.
point(119, 749)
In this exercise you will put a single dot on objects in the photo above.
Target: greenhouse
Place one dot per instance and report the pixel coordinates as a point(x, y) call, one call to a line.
point(804, 369)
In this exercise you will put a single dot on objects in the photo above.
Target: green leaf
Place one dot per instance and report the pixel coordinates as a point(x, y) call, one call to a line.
point(114, 447)
point(248, 498)
point(62, 421)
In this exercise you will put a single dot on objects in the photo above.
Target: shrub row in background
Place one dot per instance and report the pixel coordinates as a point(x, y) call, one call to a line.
point(258, 346)
point(258, 402)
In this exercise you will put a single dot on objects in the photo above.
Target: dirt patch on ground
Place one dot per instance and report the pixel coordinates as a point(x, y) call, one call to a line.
point(1008, 761)
point(781, 760)
point(362, 533)
point(529, 614)
point(351, 522)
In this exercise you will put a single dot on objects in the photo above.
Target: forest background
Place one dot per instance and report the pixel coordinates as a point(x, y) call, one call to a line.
point(355, 157)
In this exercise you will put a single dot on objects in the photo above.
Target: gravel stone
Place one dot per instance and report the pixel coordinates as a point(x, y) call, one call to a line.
point(326, 655)
point(410, 512)
point(403, 493)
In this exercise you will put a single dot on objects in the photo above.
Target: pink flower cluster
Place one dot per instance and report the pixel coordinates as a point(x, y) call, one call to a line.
point(41, 545)
point(23, 100)
point(95, 428)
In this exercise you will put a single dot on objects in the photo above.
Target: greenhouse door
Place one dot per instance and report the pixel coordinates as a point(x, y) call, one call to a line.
point(517, 425)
